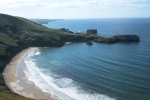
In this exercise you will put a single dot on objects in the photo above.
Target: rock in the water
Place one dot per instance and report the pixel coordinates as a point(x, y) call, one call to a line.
point(127, 38)
point(118, 38)
point(91, 31)
point(89, 43)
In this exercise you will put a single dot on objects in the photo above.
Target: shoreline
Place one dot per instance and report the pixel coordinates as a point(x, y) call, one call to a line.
point(17, 81)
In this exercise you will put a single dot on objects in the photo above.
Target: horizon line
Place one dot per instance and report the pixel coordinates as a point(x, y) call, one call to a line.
point(95, 18)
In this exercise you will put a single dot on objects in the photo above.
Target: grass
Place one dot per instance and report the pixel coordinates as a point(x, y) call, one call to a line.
point(2, 49)
point(4, 38)
point(8, 45)
point(30, 26)
point(11, 96)
point(5, 94)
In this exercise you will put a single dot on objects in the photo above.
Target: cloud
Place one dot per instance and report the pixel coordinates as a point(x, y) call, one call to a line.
point(120, 3)
point(13, 4)
point(5, 4)
point(71, 7)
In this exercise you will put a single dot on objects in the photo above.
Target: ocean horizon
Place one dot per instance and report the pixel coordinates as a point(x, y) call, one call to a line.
point(77, 71)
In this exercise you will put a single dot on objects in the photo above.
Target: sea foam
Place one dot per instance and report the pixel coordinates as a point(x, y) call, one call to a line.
point(33, 52)
point(61, 87)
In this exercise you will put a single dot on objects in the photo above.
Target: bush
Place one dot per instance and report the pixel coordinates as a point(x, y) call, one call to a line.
point(1, 80)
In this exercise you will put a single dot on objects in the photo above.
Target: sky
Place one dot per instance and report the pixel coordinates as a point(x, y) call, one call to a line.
point(64, 9)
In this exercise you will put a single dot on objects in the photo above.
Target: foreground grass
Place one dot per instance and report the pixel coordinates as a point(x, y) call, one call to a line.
point(11, 96)
point(5, 94)
point(4, 38)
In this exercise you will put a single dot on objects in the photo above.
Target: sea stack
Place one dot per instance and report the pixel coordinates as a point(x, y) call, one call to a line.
point(89, 43)
point(91, 31)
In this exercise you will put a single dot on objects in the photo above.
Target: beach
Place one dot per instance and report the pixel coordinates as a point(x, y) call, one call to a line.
point(17, 81)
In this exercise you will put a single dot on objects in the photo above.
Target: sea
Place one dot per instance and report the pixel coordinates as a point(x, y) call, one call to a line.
point(103, 71)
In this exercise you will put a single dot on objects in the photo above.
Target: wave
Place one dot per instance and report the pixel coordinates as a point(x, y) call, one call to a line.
point(33, 52)
point(60, 87)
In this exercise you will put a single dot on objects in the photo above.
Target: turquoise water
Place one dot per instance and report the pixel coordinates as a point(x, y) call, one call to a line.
point(77, 71)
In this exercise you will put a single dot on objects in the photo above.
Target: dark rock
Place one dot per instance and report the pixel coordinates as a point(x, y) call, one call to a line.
point(66, 30)
point(76, 38)
point(91, 31)
point(89, 43)
point(127, 38)
point(118, 38)
point(78, 32)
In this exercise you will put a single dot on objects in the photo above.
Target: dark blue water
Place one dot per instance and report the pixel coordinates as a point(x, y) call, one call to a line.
point(118, 71)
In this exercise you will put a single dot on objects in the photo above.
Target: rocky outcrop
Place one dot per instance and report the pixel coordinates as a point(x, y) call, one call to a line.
point(66, 30)
point(89, 43)
point(127, 38)
point(118, 38)
point(91, 31)
point(100, 39)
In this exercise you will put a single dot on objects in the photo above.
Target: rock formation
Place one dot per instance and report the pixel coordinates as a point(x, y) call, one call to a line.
point(118, 38)
point(91, 31)
point(89, 43)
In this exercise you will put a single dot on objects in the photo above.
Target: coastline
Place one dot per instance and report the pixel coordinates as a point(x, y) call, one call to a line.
point(17, 81)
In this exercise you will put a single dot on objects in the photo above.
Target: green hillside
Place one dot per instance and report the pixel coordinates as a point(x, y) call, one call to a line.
point(28, 26)
point(16, 34)
point(5, 39)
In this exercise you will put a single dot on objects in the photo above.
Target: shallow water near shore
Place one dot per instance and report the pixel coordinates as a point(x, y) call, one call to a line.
point(77, 71)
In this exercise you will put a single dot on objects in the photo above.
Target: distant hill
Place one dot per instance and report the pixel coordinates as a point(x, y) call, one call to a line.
point(43, 21)
point(20, 22)
point(28, 26)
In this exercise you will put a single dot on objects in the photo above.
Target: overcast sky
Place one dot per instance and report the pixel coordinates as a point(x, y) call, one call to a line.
point(60, 9)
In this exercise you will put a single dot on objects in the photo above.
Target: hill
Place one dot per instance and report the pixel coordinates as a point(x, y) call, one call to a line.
point(28, 26)
point(16, 34)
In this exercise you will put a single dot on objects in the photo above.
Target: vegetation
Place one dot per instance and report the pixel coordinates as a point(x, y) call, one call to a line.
point(16, 34)
point(5, 94)
point(5, 39)
point(11, 96)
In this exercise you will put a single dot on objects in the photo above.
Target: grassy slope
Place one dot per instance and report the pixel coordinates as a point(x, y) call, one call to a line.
point(21, 22)
point(29, 31)
point(7, 41)
point(4, 38)
point(30, 26)
point(2, 49)
point(10, 96)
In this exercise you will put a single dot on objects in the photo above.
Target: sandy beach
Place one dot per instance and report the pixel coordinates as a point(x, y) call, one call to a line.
point(17, 81)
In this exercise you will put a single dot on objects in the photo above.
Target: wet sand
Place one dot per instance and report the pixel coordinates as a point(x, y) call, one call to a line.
point(17, 81)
